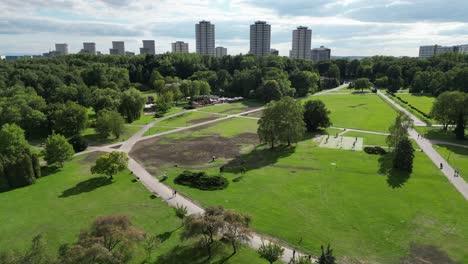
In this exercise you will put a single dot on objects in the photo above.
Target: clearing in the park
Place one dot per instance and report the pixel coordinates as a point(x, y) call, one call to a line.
point(340, 142)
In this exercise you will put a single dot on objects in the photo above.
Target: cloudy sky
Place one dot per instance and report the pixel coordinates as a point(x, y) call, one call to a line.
point(348, 27)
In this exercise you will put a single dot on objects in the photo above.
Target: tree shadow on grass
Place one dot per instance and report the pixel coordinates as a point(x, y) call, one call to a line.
point(48, 170)
point(86, 186)
point(395, 178)
point(426, 254)
point(260, 157)
point(190, 254)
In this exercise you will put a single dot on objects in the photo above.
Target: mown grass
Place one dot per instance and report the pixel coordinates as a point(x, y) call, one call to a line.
point(367, 112)
point(369, 139)
point(421, 102)
point(93, 138)
point(234, 108)
point(59, 205)
point(438, 133)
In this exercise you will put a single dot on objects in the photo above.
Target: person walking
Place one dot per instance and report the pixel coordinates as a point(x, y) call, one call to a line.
point(441, 166)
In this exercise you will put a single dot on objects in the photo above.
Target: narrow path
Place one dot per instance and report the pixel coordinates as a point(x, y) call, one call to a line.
point(416, 120)
point(426, 145)
point(361, 131)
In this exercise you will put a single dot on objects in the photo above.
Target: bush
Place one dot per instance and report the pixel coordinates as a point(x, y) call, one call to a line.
point(189, 107)
point(375, 150)
point(78, 142)
point(201, 180)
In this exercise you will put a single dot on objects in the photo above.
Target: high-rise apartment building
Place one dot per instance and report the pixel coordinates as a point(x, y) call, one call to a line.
point(432, 50)
point(427, 51)
point(118, 48)
point(148, 47)
point(260, 38)
point(301, 43)
point(320, 54)
point(89, 47)
point(180, 46)
point(61, 49)
point(205, 38)
point(220, 52)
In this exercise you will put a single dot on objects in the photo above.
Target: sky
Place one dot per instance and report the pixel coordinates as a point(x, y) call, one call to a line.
point(348, 27)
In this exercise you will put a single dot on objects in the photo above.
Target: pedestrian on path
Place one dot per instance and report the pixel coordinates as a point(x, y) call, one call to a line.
point(441, 166)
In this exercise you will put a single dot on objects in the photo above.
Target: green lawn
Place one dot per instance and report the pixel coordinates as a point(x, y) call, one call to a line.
point(157, 130)
point(234, 108)
point(93, 139)
point(456, 156)
point(316, 196)
point(421, 102)
point(367, 112)
point(144, 120)
point(369, 139)
point(60, 205)
point(187, 119)
point(438, 133)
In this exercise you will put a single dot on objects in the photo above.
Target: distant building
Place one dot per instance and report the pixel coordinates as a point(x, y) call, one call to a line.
point(118, 48)
point(320, 54)
point(13, 58)
point(274, 52)
point(432, 50)
point(301, 43)
point(220, 52)
point(205, 38)
point(148, 47)
point(260, 38)
point(180, 46)
point(89, 47)
point(61, 49)
point(50, 54)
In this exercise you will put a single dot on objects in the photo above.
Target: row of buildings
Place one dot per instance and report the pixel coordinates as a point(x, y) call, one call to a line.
point(431, 50)
point(260, 44)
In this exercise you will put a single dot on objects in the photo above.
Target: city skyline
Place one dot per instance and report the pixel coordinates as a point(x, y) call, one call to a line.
point(349, 27)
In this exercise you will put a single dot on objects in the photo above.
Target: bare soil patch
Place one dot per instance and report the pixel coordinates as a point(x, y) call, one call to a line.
point(190, 150)
point(426, 254)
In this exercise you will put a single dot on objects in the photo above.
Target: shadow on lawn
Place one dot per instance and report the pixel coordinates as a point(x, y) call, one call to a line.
point(395, 178)
point(86, 186)
point(193, 254)
point(426, 254)
point(261, 156)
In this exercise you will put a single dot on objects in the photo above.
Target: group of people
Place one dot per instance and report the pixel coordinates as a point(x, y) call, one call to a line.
point(456, 172)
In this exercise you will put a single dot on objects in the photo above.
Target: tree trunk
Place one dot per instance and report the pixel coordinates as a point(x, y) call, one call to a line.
point(111, 177)
point(233, 243)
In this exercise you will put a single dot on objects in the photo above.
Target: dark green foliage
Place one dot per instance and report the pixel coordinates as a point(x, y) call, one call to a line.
point(201, 180)
point(270, 252)
point(375, 150)
point(132, 103)
point(78, 142)
point(304, 82)
point(316, 115)
point(362, 83)
point(460, 128)
point(36, 166)
point(109, 122)
point(57, 150)
point(68, 119)
point(327, 256)
point(403, 155)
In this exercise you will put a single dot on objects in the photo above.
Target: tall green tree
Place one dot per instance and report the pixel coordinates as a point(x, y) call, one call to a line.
point(57, 150)
point(132, 104)
point(68, 119)
point(327, 256)
point(316, 115)
point(110, 164)
point(404, 155)
point(109, 123)
point(304, 82)
point(362, 83)
point(394, 78)
point(399, 130)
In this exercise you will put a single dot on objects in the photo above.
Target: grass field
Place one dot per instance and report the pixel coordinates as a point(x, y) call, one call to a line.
point(369, 139)
point(310, 196)
point(367, 112)
point(234, 108)
point(456, 156)
point(437, 133)
point(93, 139)
point(144, 119)
point(183, 120)
point(421, 102)
point(60, 205)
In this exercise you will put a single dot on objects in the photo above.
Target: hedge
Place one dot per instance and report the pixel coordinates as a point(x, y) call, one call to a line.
point(201, 180)
point(375, 150)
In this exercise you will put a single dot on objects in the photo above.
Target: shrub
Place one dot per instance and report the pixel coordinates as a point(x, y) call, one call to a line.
point(375, 150)
point(201, 180)
point(78, 143)
point(189, 107)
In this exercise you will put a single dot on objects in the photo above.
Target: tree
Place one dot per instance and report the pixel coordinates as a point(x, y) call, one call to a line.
point(271, 252)
point(57, 150)
point(282, 121)
point(68, 119)
point(205, 227)
point(78, 142)
point(404, 155)
point(110, 239)
point(301, 260)
point(106, 98)
point(269, 91)
point(448, 106)
point(460, 128)
point(149, 244)
point(334, 72)
point(394, 78)
point(236, 228)
point(132, 104)
point(110, 164)
point(327, 256)
point(109, 122)
point(362, 83)
point(12, 140)
point(399, 130)
point(36, 254)
point(316, 115)
point(381, 82)
point(305, 82)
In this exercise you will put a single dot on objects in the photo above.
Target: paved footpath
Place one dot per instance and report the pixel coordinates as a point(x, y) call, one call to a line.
point(427, 146)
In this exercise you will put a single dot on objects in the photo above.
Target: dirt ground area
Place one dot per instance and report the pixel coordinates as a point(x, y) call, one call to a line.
point(426, 254)
point(256, 114)
point(201, 120)
point(190, 150)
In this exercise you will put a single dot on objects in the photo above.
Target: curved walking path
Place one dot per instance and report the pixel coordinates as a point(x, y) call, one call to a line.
point(427, 146)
